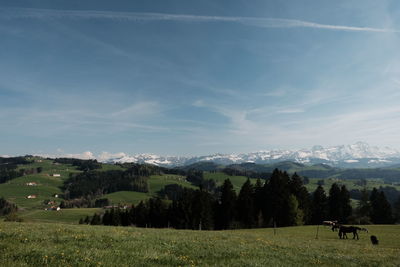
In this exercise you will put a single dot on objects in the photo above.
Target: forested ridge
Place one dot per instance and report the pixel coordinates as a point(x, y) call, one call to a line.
point(280, 201)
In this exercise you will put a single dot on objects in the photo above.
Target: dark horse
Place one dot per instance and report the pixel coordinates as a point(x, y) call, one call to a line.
point(343, 230)
point(336, 226)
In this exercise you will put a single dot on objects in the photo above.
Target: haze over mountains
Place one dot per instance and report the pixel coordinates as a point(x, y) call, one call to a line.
point(358, 155)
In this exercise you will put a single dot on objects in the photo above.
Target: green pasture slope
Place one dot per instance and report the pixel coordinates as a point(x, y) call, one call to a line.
point(17, 191)
point(155, 182)
point(33, 210)
point(47, 244)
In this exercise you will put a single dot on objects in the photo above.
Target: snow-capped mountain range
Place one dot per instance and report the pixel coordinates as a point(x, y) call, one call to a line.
point(357, 155)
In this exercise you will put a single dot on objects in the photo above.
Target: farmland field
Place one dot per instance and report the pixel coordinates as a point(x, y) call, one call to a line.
point(49, 244)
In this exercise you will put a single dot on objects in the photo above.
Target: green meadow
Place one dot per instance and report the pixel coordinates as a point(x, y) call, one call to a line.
point(54, 244)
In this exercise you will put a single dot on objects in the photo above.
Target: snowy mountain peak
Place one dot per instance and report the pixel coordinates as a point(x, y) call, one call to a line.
point(359, 154)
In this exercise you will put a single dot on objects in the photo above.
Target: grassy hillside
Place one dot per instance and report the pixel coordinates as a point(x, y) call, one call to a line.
point(157, 182)
point(17, 191)
point(81, 245)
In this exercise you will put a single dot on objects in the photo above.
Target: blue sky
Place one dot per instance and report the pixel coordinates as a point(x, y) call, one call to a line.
point(197, 77)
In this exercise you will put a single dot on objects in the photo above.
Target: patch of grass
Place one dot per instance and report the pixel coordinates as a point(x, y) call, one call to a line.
point(157, 182)
point(63, 215)
point(126, 197)
point(82, 245)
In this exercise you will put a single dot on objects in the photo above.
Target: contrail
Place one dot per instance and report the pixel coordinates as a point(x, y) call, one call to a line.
point(32, 13)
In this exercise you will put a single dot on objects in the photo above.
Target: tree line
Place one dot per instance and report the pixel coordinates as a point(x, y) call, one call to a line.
point(8, 168)
point(280, 201)
point(81, 164)
point(91, 184)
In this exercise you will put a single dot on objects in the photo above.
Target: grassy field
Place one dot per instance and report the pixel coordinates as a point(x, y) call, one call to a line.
point(126, 197)
point(47, 244)
point(157, 182)
point(62, 216)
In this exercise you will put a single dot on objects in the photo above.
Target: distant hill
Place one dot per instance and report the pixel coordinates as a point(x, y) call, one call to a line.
point(208, 166)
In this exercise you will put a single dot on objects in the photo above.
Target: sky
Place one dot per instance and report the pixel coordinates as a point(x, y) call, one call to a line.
point(197, 77)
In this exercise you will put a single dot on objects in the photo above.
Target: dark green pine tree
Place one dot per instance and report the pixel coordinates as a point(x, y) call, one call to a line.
point(303, 197)
point(344, 200)
point(245, 205)
point(334, 206)
point(319, 206)
point(396, 209)
point(202, 210)
point(106, 220)
point(296, 215)
point(115, 217)
point(276, 191)
point(364, 206)
point(157, 213)
point(141, 215)
point(381, 211)
point(259, 202)
point(184, 209)
point(87, 220)
point(225, 211)
point(96, 219)
point(180, 211)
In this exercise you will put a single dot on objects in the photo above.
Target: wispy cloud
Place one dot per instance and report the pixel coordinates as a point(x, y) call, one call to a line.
point(290, 111)
point(139, 109)
point(30, 13)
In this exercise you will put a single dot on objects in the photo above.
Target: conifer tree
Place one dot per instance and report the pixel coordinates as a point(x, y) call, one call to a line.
point(96, 220)
point(381, 211)
point(87, 220)
point(364, 206)
point(396, 210)
point(345, 206)
point(259, 202)
point(334, 204)
point(277, 199)
point(319, 206)
point(141, 214)
point(202, 210)
point(115, 217)
point(106, 220)
point(245, 205)
point(295, 214)
point(301, 193)
point(226, 206)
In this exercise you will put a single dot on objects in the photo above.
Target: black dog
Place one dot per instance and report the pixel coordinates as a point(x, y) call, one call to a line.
point(374, 240)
